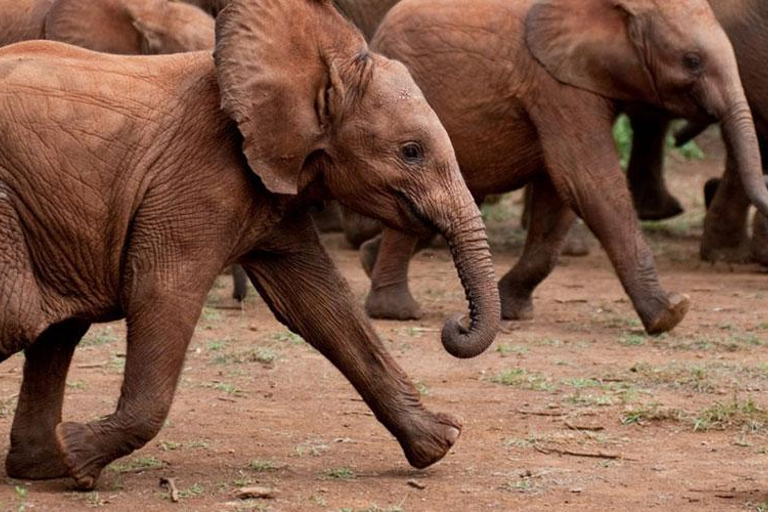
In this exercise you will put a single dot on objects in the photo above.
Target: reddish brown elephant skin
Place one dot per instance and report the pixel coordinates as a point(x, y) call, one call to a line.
point(130, 27)
point(725, 226)
point(128, 183)
point(529, 94)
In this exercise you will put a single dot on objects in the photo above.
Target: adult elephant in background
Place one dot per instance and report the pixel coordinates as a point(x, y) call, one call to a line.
point(535, 87)
point(725, 225)
point(201, 161)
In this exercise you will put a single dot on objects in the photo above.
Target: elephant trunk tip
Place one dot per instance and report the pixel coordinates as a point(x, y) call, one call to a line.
point(461, 342)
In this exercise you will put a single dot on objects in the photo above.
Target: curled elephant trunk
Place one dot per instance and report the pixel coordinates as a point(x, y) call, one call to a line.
point(741, 141)
point(471, 255)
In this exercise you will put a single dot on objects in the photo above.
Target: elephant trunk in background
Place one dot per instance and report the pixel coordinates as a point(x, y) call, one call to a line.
point(741, 140)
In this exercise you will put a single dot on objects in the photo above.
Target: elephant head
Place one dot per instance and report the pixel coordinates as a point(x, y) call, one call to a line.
point(315, 107)
point(673, 55)
point(130, 27)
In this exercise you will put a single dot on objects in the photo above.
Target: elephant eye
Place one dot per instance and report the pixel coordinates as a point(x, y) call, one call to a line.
point(693, 61)
point(411, 153)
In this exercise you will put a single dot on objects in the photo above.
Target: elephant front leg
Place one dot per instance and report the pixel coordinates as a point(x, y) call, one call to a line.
point(725, 226)
point(548, 227)
point(307, 294)
point(160, 326)
point(588, 177)
point(389, 296)
point(34, 454)
point(645, 172)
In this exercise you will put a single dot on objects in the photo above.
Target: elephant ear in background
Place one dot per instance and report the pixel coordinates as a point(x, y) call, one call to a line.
point(130, 26)
point(170, 27)
point(285, 68)
point(591, 44)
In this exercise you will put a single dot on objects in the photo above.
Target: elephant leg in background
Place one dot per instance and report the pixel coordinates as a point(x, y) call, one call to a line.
point(576, 241)
point(725, 225)
point(550, 221)
point(327, 217)
point(645, 172)
point(358, 228)
point(34, 454)
point(302, 273)
point(389, 296)
point(588, 178)
point(160, 325)
point(239, 283)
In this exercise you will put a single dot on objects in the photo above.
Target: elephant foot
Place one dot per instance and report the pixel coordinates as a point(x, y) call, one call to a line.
point(35, 461)
point(576, 244)
point(369, 251)
point(515, 306)
point(392, 303)
point(658, 207)
point(79, 447)
point(759, 245)
point(429, 443)
point(715, 252)
point(668, 318)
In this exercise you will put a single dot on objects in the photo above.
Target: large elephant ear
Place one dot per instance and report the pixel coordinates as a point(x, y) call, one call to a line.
point(595, 45)
point(278, 64)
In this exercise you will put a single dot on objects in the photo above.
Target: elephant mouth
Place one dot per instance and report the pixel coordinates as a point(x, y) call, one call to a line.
point(417, 222)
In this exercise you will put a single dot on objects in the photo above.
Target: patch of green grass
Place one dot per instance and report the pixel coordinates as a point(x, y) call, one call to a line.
point(194, 490)
point(633, 340)
point(522, 379)
point(137, 464)
point(76, 384)
point(505, 349)
point(226, 387)
point(343, 473)
point(168, 445)
point(263, 355)
point(311, 448)
point(733, 413)
point(288, 336)
point(421, 388)
point(581, 382)
point(99, 336)
point(197, 444)
point(218, 345)
point(643, 413)
point(262, 466)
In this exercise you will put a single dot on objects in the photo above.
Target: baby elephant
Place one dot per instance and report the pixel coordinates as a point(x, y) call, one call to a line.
point(128, 183)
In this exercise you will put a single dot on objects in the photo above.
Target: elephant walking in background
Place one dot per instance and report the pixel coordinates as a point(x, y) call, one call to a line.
point(534, 89)
point(112, 26)
point(186, 163)
point(725, 226)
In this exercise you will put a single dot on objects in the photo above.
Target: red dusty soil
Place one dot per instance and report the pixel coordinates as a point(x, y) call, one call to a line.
point(575, 410)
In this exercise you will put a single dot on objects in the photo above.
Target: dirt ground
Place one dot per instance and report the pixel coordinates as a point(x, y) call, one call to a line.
point(575, 410)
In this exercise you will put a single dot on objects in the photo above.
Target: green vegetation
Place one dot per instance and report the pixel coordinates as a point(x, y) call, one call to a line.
point(622, 136)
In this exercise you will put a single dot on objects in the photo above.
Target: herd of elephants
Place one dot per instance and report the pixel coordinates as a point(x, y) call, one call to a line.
point(128, 182)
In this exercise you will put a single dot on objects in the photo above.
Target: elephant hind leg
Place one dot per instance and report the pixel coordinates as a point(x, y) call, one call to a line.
point(548, 226)
point(34, 454)
point(22, 319)
point(725, 226)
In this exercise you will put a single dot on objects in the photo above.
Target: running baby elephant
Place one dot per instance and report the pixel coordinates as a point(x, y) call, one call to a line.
point(534, 88)
point(128, 183)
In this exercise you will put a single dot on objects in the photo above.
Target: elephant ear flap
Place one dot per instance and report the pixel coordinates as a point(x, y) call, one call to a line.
point(591, 44)
point(277, 63)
